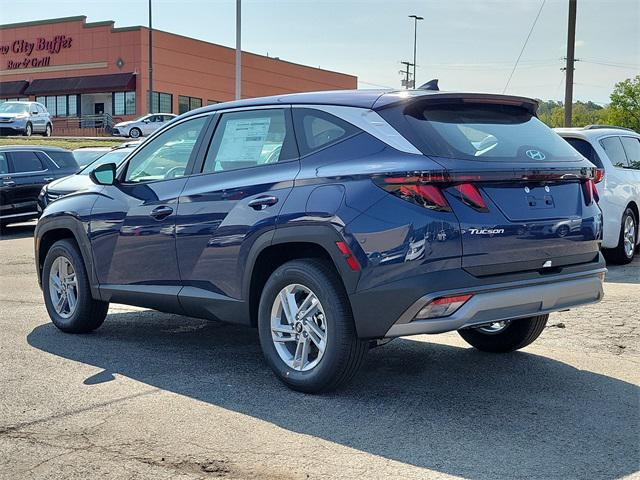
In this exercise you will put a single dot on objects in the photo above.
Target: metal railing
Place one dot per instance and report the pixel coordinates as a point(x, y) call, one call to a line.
point(85, 125)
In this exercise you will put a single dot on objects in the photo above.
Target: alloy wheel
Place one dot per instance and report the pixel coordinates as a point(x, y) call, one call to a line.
point(298, 327)
point(63, 287)
point(629, 235)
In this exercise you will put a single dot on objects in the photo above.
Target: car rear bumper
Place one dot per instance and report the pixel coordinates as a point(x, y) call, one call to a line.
point(504, 302)
point(389, 310)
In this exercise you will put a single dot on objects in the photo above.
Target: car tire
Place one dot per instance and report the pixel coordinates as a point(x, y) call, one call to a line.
point(28, 130)
point(503, 337)
point(47, 131)
point(86, 314)
point(135, 133)
point(343, 351)
point(627, 238)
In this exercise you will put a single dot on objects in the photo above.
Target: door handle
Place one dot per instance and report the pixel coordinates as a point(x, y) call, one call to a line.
point(49, 179)
point(8, 182)
point(161, 212)
point(261, 203)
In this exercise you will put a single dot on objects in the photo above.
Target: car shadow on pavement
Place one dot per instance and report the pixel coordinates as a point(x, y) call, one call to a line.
point(14, 232)
point(445, 408)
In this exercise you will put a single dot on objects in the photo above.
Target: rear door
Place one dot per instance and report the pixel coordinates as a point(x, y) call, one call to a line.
point(522, 195)
point(29, 174)
point(246, 175)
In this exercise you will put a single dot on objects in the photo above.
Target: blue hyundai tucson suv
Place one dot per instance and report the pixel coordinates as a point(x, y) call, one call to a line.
point(332, 222)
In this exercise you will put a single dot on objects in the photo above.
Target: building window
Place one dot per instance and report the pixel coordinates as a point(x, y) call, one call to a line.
point(60, 105)
point(188, 103)
point(212, 102)
point(161, 102)
point(124, 103)
point(22, 99)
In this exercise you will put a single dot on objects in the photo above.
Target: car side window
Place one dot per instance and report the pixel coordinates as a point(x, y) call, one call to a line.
point(615, 151)
point(26, 161)
point(40, 109)
point(167, 155)
point(316, 129)
point(248, 139)
point(586, 150)
point(631, 147)
point(4, 164)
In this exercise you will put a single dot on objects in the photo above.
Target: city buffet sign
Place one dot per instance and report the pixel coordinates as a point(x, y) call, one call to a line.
point(34, 54)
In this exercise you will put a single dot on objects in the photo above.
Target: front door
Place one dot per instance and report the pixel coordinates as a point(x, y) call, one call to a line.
point(98, 108)
point(133, 221)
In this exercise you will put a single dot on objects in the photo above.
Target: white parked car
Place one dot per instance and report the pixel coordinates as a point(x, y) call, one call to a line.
point(143, 126)
point(616, 153)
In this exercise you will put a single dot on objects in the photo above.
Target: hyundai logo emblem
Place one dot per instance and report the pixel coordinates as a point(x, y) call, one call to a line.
point(535, 154)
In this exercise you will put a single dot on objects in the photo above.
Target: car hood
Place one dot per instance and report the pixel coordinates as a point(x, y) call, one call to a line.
point(69, 184)
point(13, 115)
point(124, 124)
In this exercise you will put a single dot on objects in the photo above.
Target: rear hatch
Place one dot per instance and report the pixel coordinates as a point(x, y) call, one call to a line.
point(525, 200)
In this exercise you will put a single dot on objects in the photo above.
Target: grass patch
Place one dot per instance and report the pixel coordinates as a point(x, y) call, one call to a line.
point(70, 143)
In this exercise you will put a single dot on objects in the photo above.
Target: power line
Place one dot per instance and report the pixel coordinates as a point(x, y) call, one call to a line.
point(524, 46)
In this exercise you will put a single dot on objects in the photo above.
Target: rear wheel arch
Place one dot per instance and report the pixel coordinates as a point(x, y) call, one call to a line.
point(303, 243)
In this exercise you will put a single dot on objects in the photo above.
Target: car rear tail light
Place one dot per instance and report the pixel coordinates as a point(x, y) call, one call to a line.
point(599, 176)
point(346, 252)
point(471, 196)
point(442, 306)
point(590, 192)
point(414, 190)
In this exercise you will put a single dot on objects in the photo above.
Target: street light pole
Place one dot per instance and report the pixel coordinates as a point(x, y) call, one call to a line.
point(238, 52)
point(415, 41)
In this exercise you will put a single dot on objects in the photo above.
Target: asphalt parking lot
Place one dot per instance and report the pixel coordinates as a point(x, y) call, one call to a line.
point(153, 395)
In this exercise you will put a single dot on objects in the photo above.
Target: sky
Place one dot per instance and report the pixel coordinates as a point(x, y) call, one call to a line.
point(469, 45)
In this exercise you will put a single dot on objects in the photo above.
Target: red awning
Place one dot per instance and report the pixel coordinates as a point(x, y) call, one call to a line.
point(90, 84)
point(13, 89)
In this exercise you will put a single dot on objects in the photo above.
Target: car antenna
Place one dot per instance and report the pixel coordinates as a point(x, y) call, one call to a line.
point(430, 85)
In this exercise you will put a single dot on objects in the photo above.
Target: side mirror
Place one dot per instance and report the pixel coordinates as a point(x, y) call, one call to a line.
point(146, 120)
point(104, 174)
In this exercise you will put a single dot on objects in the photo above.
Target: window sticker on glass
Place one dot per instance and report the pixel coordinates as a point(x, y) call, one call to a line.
point(244, 139)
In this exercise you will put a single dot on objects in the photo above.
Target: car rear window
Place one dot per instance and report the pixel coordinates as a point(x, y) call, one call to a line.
point(586, 150)
point(479, 131)
point(64, 160)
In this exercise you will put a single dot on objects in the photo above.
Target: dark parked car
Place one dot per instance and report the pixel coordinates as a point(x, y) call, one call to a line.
point(333, 221)
point(23, 172)
point(81, 180)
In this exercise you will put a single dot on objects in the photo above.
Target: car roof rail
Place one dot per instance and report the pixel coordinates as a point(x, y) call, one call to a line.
point(430, 85)
point(597, 127)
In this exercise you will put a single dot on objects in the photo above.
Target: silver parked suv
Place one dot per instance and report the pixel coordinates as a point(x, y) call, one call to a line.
point(24, 118)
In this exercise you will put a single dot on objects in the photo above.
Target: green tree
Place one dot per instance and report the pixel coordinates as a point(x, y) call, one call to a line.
point(624, 109)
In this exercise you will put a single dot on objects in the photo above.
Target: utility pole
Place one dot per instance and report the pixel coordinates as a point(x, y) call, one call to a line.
point(571, 43)
point(238, 52)
point(415, 41)
point(407, 74)
point(150, 99)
